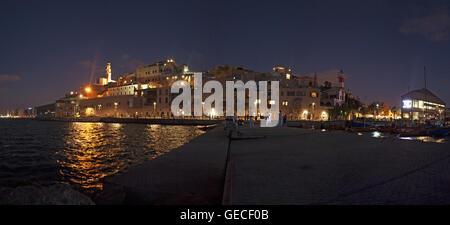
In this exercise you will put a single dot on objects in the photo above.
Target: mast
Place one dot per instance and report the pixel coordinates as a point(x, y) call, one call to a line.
point(425, 76)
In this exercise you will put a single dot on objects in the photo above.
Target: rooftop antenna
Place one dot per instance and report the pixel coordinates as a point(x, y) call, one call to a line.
point(425, 76)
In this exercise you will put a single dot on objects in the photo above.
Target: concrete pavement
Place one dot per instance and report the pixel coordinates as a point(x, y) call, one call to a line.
point(300, 166)
point(190, 175)
point(289, 166)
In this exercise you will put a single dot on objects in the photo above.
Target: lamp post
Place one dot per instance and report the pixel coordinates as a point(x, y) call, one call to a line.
point(203, 106)
point(378, 112)
point(115, 108)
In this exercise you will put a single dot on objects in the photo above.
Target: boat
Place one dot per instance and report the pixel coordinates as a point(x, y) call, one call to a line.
point(439, 132)
point(358, 124)
point(359, 129)
point(412, 132)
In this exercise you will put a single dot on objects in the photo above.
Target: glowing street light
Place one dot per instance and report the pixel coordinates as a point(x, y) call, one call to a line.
point(305, 115)
point(213, 112)
point(88, 89)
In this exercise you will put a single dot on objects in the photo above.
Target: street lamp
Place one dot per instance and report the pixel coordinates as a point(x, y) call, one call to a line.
point(378, 111)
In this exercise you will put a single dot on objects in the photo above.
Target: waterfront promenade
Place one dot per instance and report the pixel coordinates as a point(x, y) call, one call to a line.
point(161, 121)
point(290, 166)
point(191, 174)
point(299, 166)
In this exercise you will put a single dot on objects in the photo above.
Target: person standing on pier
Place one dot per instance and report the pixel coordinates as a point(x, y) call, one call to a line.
point(280, 122)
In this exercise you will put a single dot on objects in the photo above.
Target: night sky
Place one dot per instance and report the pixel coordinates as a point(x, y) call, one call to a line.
point(49, 48)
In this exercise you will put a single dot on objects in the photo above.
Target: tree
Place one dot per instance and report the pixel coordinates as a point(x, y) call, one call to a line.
point(339, 111)
point(378, 108)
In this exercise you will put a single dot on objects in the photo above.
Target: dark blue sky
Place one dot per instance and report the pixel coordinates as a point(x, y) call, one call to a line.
point(50, 47)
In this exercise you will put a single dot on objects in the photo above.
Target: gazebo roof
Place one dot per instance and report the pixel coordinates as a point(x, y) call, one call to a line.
point(425, 95)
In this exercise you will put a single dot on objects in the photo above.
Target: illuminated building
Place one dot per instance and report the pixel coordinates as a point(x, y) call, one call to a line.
point(145, 92)
point(299, 96)
point(333, 96)
point(420, 105)
point(122, 90)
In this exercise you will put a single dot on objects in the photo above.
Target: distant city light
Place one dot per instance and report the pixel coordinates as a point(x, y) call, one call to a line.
point(88, 89)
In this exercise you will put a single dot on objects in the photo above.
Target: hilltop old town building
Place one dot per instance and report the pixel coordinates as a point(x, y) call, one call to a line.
point(146, 92)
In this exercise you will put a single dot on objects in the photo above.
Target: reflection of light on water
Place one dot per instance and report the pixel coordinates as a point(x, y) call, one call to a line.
point(431, 139)
point(84, 149)
point(377, 134)
point(115, 125)
point(405, 138)
point(93, 151)
point(424, 139)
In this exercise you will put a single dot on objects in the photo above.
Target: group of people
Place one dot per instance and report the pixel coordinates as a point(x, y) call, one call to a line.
point(235, 123)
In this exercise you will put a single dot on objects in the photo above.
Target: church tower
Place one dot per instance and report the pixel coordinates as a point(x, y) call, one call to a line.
point(108, 72)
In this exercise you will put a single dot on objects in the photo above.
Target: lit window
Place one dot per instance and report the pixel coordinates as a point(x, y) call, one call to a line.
point(421, 105)
point(407, 104)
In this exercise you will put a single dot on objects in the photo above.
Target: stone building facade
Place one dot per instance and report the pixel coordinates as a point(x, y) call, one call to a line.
point(146, 92)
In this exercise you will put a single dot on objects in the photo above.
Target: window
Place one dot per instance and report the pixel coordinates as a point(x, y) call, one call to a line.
point(421, 104)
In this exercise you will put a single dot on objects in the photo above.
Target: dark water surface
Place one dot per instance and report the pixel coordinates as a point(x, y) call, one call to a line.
point(78, 153)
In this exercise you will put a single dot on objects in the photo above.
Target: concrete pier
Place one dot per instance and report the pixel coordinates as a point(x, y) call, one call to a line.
point(290, 166)
point(300, 166)
point(192, 174)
